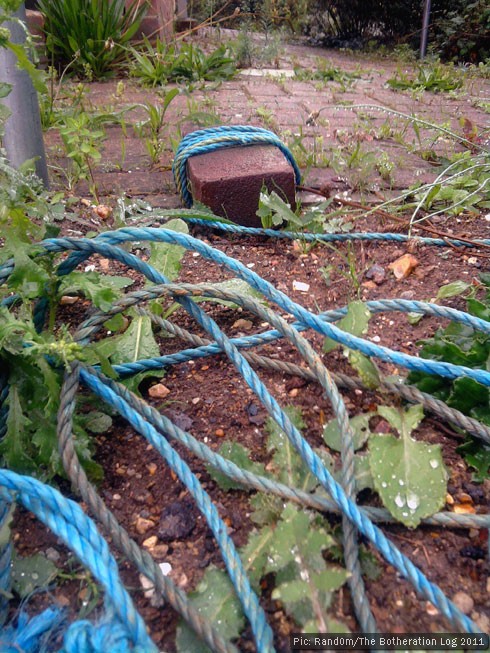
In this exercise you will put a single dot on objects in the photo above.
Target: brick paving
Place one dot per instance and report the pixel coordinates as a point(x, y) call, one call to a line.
point(284, 104)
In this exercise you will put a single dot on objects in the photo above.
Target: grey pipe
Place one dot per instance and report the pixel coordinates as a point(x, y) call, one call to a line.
point(425, 29)
point(23, 137)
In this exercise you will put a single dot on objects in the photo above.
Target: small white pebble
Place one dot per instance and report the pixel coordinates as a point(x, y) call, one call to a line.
point(89, 268)
point(302, 287)
point(165, 568)
point(376, 339)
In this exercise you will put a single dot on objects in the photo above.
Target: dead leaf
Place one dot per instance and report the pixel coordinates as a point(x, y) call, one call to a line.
point(403, 266)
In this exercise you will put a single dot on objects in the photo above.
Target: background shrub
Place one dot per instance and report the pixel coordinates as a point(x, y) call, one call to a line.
point(90, 35)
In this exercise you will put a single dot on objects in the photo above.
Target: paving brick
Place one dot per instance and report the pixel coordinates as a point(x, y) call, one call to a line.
point(229, 181)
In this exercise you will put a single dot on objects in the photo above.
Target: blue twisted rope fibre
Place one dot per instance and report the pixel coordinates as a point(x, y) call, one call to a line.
point(335, 237)
point(314, 463)
point(216, 138)
point(83, 634)
point(123, 629)
point(311, 320)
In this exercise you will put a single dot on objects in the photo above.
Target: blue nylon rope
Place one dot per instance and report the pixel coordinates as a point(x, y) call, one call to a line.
point(406, 568)
point(304, 316)
point(104, 245)
point(68, 521)
point(217, 138)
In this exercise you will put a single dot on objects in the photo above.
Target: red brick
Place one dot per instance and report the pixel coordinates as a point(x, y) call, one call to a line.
point(229, 181)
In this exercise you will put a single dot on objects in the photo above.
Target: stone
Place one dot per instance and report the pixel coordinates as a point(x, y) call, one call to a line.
point(229, 181)
point(67, 300)
point(143, 525)
point(158, 391)
point(464, 602)
point(177, 521)
point(403, 266)
point(245, 325)
point(376, 273)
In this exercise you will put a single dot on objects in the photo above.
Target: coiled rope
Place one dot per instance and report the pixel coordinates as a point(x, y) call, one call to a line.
point(121, 629)
point(211, 139)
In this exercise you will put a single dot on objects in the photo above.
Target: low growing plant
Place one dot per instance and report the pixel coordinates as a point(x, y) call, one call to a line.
point(438, 78)
point(151, 129)
point(462, 345)
point(288, 544)
point(275, 212)
point(188, 64)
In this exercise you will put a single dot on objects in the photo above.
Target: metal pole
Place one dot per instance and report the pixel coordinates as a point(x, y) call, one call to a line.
point(425, 29)
point(23, 137)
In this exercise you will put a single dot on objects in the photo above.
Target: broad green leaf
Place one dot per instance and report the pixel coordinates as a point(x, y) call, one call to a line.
point(5, 526)
point(359, 425)
point(266, 508)
point(239, 455)
point(404, 421)
point(292, 591)
point(477, 456)
point(13, 449)
point(467, 394)
point(331, 579)
point(216, 600)
point(409, 476)
point(362, 473)
point(355, 322)
point(167, 257)
point(479, 309)
point(272, 207)
point(102, 290)
point(297, 538)
point(366, 368)
point(452, 289)
point(136, 342)
point(30, 573)
point(28, 278)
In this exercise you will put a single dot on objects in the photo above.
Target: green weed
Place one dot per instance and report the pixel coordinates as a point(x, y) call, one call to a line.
point(188, 64)
point(437, 78)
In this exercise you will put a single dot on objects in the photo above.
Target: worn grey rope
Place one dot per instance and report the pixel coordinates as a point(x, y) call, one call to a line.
point(408, 392)
point(164, 586)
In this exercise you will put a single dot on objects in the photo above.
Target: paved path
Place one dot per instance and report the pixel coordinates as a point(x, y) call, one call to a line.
point(390, 154)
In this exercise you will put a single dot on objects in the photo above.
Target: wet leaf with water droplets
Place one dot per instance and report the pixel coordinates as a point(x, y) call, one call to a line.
point(409, 476)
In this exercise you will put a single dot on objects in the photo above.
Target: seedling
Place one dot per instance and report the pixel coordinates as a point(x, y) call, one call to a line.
point(151, 129)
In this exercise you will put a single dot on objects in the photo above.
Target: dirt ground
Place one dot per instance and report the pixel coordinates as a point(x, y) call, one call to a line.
point(209, 399)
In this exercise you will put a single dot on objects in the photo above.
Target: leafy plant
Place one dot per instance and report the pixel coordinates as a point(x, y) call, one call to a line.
point(356, 322)
point(438, 78)
point(90, 35)
point(408, 475)
point(163, 63)
point(325, 71)
point(274, 212)
point(289, 545)
point(462, 345)
point(151, 129)
point(82, 146)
